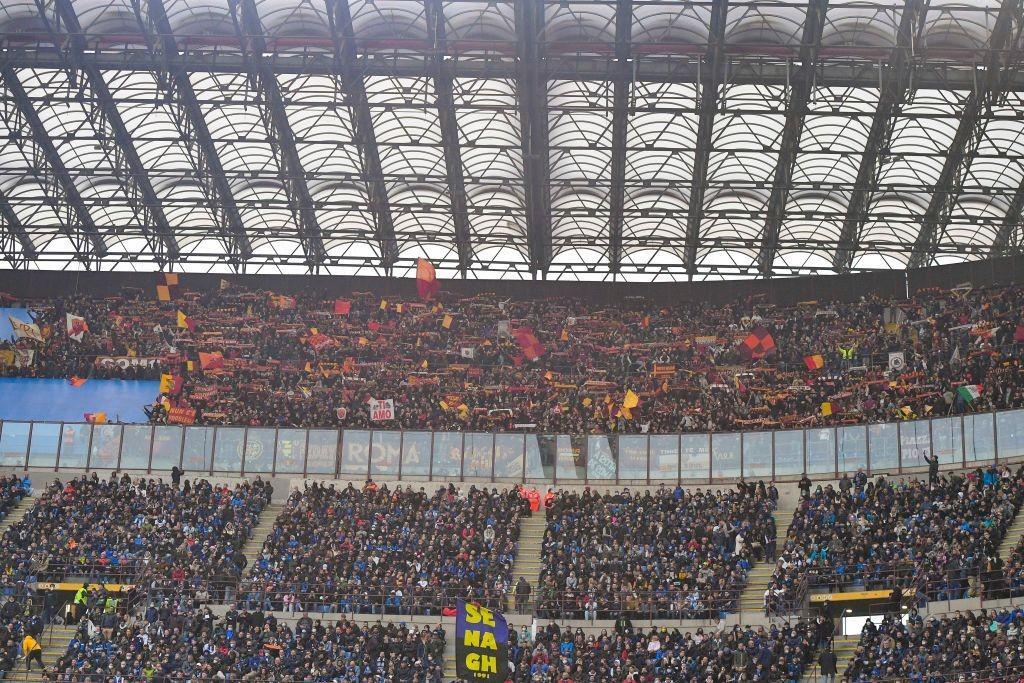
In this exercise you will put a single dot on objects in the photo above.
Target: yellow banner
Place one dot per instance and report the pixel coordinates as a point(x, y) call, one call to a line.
point(850, 596)
point(75, 585)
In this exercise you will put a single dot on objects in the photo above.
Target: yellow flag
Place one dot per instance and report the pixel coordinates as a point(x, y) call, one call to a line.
point(189, 365)
point(399, 308)
point(182, 320)
point(565, 334)
point(363, 341)
point(548, 376)
point(166, 383)
point(631, 400)
point(446, 323)
point(443, 404)
point(826, 409)
point(424, 364)
point(586, 401)
point(383, 304)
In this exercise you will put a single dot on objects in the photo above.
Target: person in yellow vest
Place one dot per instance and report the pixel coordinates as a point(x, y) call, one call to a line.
point(81, 600)
point(33, 650)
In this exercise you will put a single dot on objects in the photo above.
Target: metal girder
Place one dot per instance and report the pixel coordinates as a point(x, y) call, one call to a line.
point(796, 112)
point(135, 181)
point(1004, 57)
point(710, 80)
point(1005, 243)
point(897, 85)
point(620, 118)
point(531, 83)
point(196, 134)
point(80, 226)
point(11, 231)
point(348, 68)
point(275, 118)
point(443, 84)
point(840, 71)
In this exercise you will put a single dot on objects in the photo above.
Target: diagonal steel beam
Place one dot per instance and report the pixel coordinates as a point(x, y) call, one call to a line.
point(711, 78)
point(1007, 240)
point(80, 227)
point(11, 231)
point(444, 81)
point(354, 89)
point(1004, 55)
point(195, 133)
point(139, 190)
point(250, 32)
point(897, 86)
point(620, 118)
point(531, 83)
point(796, 113)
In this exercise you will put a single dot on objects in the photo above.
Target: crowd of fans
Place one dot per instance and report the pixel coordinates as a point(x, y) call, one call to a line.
point(378, 550)
point(459, 363)
point(172, 641)
point(932, 540)
point(141, 531)
point(671, 554)
point(659, 655)
point(968, 646)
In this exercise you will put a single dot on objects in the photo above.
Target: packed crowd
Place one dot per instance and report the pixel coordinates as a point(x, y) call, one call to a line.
point(968, 646)
point(485, 363)
point(933, 540)
point(136, 531)
point(378, 550)
point(652, 655)
point(671, 554)
point(172, 641)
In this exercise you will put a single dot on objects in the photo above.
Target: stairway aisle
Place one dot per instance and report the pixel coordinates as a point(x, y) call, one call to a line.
point(1013, 536)
point(55, 643)
point(845, 647)
point(528, 564)
point(752, 597)
point(17, 513)
point(254, 546)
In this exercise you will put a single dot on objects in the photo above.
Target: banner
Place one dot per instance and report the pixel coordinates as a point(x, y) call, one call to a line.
point(23, 358)
point(896, 360)
point(181, 416)
point(125, 362)
point(382, 409)
point(6, 357)
point(481, 644)
point(24, 330)
point(468, 352)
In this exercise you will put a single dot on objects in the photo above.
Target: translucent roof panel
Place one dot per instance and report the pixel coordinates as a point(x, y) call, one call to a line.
point(555, 139)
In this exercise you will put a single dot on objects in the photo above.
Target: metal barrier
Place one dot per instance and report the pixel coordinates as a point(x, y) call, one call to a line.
point(959, 441)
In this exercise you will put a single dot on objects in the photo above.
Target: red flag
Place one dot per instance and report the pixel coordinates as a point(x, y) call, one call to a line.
point(373, 326)
point(426, 279)
point(77, 381)
point(342, 307)
point(211, 361)
point(757, 345)
point(528, 342)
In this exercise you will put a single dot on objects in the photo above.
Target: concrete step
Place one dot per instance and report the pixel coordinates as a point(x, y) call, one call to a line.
point(17, 513)
point(254, 546)
point(1013, 536)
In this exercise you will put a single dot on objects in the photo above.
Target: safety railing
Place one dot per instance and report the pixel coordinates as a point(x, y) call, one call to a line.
point(958, 441)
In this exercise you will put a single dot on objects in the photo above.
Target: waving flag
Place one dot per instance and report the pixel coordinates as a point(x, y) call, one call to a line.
point(76, 326)
point(530, 345)
point(758, 344)
point(211, 361)
point(969, 392)
point(167, 287)
point(23, 330)
point(185, 322)
point(426, 279)
point(815, 362)
point(342, 307)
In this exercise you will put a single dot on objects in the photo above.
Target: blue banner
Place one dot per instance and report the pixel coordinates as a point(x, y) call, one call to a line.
point(481, 644)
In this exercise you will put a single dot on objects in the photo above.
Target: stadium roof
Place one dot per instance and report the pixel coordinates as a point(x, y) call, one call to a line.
point(579, 139)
